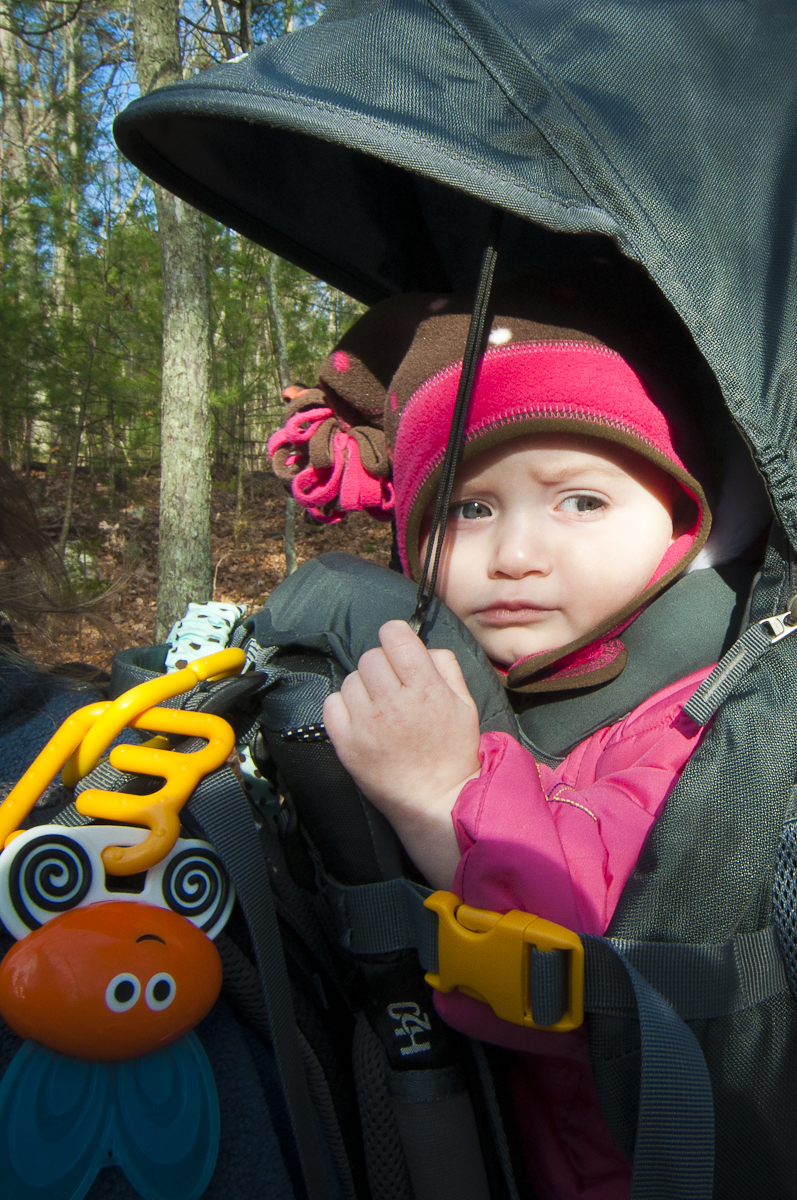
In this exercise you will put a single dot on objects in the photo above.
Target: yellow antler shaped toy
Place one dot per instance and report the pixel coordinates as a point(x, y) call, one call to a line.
point(83, 738)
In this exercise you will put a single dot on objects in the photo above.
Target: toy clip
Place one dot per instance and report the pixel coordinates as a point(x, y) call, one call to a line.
point(83, 738)
point(486, 955)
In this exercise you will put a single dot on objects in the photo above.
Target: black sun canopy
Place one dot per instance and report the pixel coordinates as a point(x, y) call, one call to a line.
point(367, 147)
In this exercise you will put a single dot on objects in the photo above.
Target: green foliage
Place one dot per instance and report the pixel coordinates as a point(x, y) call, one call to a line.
point(80, 289)
point(246, 392)
point(315, 318)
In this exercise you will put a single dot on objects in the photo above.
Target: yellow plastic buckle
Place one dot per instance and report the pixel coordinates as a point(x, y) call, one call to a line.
point(487, 955)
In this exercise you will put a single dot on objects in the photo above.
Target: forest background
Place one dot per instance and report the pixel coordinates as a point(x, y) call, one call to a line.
point(120, 383)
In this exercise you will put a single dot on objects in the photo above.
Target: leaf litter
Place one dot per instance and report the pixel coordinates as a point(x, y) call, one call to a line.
point(116, 548)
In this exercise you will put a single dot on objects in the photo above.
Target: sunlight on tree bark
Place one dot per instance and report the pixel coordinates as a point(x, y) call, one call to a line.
point(184, 570)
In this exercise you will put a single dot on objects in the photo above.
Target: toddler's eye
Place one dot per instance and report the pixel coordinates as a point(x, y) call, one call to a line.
point(583, 505)
point(472, 510)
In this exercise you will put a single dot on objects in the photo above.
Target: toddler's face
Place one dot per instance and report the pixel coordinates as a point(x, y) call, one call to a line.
point(548, 536)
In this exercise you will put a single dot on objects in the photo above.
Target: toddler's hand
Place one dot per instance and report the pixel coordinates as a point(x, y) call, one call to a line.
point(407, 731)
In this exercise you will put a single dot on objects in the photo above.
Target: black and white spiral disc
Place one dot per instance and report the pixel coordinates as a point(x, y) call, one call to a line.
point(196, 886)
point(49, 875)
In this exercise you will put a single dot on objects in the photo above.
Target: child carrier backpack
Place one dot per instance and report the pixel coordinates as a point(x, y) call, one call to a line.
point(381, 1098)
point(370, 149)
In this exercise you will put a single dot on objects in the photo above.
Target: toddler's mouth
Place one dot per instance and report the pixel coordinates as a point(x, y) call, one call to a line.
point(512, 612)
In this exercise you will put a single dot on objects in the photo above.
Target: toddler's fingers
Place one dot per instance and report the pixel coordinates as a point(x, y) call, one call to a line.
point(337, 720)
point(356, 697)
point(406, 653)
point(446, 664)
point(377, 674)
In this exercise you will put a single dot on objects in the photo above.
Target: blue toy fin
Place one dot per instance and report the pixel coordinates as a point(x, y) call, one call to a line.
point(62, 1119)
point(166, 1123)
point(54, 1125)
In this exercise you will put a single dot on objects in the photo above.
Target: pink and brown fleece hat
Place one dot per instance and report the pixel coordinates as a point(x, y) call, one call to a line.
point(372, 434)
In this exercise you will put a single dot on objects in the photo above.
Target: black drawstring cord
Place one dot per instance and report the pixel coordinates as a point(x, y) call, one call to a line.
point(473, 350)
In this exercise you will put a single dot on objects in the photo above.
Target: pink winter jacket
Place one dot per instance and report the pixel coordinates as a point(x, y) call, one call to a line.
point(561, 843)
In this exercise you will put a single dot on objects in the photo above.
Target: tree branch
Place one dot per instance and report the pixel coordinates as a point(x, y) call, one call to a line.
point(23, 34)
point(221, 29)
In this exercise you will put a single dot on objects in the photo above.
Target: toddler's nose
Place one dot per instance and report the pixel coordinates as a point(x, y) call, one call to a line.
point(521, 549)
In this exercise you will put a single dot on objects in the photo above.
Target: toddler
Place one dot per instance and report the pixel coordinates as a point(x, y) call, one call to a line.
point(580, 498)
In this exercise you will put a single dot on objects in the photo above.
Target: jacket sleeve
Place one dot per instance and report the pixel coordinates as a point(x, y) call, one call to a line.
point(561, 843)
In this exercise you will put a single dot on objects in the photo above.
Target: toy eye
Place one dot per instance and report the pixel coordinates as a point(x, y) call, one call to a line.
point(122, 992)
point(160, 992)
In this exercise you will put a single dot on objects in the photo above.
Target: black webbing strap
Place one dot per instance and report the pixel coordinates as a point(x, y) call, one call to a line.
point(674, 1152)
point(220, 809)
point(548, 990)
point(382, 918)
point(700, 981)
point(495, 1117)
point(674, 1149)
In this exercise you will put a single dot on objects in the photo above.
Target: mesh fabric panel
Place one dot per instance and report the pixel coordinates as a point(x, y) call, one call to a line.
point(384, 1157)
point(784, 896)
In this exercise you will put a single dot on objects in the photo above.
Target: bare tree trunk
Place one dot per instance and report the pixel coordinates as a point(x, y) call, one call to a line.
point(64, 249)
point(17, 231)
point(221, 28)
point(80, 418)
point(245, 9)
point(109, 448)
point(14, 174)
point(283, 370)
point(74, 453)
point(238, 527)
point(184, 571)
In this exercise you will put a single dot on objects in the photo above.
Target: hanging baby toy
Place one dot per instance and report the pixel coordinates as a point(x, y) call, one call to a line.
point(114, 963)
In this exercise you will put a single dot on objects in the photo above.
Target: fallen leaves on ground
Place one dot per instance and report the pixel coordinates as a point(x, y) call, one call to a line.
point(118, 541)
